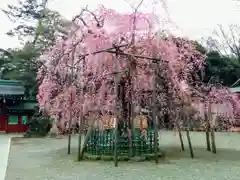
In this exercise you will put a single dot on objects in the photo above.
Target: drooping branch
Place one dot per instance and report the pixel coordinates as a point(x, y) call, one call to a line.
point(179, 62)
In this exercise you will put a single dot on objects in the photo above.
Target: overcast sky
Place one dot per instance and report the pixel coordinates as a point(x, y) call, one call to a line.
point(192, 18)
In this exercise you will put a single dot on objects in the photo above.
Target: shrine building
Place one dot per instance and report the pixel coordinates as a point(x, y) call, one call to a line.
point(15, 110)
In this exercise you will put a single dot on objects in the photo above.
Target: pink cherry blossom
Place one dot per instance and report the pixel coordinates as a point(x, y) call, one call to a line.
point(60, 85)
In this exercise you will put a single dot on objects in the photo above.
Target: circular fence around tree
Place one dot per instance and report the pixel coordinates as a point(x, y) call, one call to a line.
point(101, 142)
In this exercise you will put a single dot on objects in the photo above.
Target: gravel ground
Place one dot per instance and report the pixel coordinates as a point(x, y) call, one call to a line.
point(47, 159)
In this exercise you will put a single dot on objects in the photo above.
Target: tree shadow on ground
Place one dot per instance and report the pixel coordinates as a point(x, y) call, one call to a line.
point(223, 154)
point(172, 152)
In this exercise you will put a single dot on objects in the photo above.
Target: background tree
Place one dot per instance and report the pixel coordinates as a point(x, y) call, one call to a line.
point(37, 27)
point(226, 41)
point(39, 125)
point(5, 63)
point(219, 68)
point(35, 22)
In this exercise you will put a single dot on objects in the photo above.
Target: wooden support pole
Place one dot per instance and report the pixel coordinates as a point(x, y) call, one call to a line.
point(180, 136)
point(189, 138)
point(79, 142)
point(70, 127)
point(116, 82)
point(116, 144)
point(206, 119)
point(80, 156)
point(178, 119)
point(190, 143)
point(154, 110)
point(154, 95)
point(71, 103)
point(132, 111)
point(181, 139)
point(214, 149)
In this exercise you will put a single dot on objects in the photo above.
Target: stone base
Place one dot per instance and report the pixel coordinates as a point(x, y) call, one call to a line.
point(145, 157)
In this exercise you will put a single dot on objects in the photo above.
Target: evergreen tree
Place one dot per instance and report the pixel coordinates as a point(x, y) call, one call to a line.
point(39, 125)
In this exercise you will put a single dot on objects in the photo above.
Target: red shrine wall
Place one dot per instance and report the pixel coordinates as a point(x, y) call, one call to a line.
point(13, 123)
point(3, 120)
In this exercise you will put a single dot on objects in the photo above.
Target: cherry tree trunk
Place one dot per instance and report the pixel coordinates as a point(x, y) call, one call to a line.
point(131, 115)
point(85, 138)
point(54, 131)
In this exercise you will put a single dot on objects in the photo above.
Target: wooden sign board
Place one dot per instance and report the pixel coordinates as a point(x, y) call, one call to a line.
point(140, 122)
point(106, 122)
point(109, 122)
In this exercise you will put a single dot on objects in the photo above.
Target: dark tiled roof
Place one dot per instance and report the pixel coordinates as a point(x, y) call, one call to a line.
point(235, 89)
point(11, 88)
point(23, 105)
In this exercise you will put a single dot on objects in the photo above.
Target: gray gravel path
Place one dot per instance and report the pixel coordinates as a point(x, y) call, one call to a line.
point(4, 150)
point(47, 159)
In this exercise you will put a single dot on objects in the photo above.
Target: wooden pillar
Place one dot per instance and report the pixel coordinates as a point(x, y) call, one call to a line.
point(70, 127)
point(116, 111)
point(81, 120)
point(19, 123)
point(154, 113)
point(206, 119)
point(6, 123)
point(71, 102)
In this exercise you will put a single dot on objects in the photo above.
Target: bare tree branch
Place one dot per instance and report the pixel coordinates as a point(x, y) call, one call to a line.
point(226, 40)
point(99, 21)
